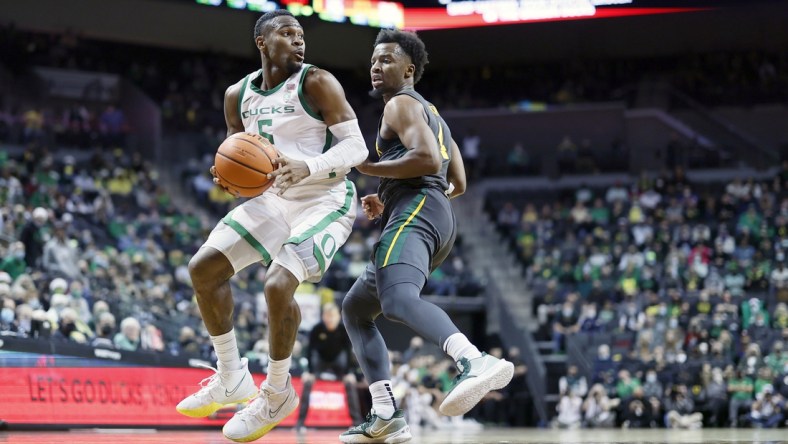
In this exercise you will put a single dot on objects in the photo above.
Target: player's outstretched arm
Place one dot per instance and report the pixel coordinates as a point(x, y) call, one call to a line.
point(405, 117)
point(456, 172)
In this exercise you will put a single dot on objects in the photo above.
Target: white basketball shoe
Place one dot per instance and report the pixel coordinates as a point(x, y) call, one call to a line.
point(222, 388)
point(479, 376)
point(265, 411)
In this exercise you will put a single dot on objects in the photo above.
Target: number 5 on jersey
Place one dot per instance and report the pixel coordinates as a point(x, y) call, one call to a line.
point(260, 125)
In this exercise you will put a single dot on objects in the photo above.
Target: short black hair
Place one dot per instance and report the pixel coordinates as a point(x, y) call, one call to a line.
point(267, 17)
point(410, 43)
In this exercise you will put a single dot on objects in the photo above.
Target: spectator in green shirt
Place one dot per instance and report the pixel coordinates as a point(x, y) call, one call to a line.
point(764, 378)
point(626, 384)
point(777, 359)
point(750, 221)
point(14, 263)
point(600, 214)
point(748, 310)
point(740, 389)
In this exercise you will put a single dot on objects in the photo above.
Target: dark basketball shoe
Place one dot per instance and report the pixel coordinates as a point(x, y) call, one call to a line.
point(379, 430)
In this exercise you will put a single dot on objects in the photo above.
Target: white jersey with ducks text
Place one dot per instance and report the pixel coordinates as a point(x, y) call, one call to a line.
point(283, 116)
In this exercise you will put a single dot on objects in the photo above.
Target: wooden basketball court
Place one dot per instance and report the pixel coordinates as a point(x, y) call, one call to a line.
point(508, 436)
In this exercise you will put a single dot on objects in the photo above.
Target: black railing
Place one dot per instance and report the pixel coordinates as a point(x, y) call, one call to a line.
point(576, 356)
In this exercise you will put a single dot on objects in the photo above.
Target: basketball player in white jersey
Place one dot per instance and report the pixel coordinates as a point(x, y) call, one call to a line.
point(294, 228)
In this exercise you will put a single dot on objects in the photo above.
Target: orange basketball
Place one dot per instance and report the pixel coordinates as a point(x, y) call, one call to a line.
point(242, 162)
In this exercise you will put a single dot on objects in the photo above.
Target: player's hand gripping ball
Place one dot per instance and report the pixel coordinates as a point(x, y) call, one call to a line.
point(242, 164)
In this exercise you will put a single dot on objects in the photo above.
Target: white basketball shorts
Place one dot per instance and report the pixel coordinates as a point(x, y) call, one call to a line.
point(301, 231)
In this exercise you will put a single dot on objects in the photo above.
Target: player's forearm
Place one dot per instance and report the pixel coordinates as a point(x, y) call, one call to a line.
point(454, 190)
point(456, 172)
point(409, 166)
point(349, 152)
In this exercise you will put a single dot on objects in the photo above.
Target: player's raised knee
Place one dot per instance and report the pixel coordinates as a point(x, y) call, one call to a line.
point(209, 268)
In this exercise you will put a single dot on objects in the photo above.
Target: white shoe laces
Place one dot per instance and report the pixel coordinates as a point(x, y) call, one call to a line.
point(257, 403)
point(210, 382)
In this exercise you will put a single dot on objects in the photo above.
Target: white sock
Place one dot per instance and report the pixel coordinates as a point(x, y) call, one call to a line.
point(227, 350)
point(277, 373)
point(458, 346)
point(383, 399)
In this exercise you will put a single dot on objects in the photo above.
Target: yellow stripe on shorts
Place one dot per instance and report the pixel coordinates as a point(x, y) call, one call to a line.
point(410, 218)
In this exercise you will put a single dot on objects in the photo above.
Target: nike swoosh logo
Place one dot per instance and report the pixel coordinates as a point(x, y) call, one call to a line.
point(230, 393)
point(377, 433)
point(272, 413)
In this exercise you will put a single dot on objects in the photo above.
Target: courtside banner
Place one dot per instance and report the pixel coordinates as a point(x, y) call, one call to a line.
point(130, 395)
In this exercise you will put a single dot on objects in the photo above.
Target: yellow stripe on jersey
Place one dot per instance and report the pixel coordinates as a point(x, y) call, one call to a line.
point(444, 151)
point(410, 218)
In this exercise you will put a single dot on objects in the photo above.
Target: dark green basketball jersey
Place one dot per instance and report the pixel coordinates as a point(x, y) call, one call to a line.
point(389, 149)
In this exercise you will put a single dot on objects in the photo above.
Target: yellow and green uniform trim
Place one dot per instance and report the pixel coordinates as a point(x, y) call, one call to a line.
point(392, 242)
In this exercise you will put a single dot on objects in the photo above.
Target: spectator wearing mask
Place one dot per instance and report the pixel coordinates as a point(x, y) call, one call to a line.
point(78, 302)
point(105, 326)
point(7, 313)
point(99, 307)
point(751, 361)
point(652, 389)
point(567, 324)
point(67, 327)
point(588, 320)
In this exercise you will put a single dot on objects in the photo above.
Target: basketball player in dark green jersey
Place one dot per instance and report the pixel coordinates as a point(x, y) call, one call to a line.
point(418, 163)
